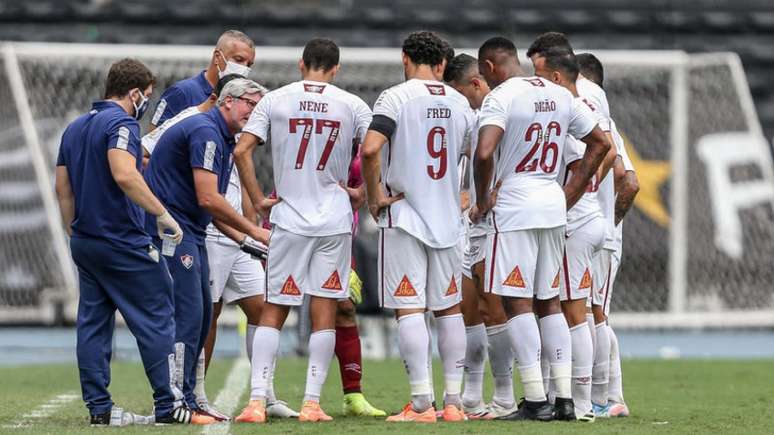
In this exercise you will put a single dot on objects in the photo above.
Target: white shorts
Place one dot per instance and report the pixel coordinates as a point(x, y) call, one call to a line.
point(414, 275)
point(234, 274)
point(577, 265)
point(524, 263)
point(297, 265)
point(475, 251)
point(602, 278)
point(615, 263)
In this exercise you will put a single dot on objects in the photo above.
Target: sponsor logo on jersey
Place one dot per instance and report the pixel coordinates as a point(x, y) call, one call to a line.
point(436, 89)
point(555, 283)
point(290, 288)
point(514, 279)
point(452, 287)
point(586, 280)
point(187, 261)
point(405, 288)
point(317, 89)
point(333, 282)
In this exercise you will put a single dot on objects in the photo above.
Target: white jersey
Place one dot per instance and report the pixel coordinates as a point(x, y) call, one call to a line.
point(587, 207)
point(311, 127)
point(536, 116)
point(150, 140)
point(433, 124)
point(234, 198)
point(596, 98)
point(628, 166)
point(481, 228)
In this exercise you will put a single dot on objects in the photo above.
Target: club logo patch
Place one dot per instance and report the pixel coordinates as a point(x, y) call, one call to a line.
point(290, 288)
point(405, 288)
point(316, 89)
point(436, 89)
point(586, 280)
point(452, 287)
point(515, 279)
point(333, 282)
point(187, 261)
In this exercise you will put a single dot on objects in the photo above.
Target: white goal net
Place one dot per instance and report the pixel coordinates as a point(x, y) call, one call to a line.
point(697, 243)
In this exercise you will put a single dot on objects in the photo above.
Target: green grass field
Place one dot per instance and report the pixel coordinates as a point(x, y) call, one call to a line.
point(665, 397)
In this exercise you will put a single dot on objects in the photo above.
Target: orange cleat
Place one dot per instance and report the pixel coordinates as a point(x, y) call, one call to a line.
point(452, 413)
point(408, 414)
point(254, 412)
point(200, 418)
point(311, 411)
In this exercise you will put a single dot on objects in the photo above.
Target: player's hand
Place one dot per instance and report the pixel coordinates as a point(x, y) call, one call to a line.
point(261, 235)
point(168, 228)
point(264, 206)
point(357, 195)
point(481, 209)
point(381, 201)
point(253, 247)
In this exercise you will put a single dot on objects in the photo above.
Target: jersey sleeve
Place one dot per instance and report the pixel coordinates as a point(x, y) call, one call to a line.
point(471, 132)
point(582, 120)
point(60, 156)
point(260, 119)
point(171, 103)
point(125, 135)
point(598, 104)
point(387, 105)
point(621, 149)
point(206, 150)
point(493, 111)
point(573, 150)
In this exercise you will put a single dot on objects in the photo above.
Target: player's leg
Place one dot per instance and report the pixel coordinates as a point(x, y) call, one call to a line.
point(554, 331)
point(577, 282)
point(615, 397)
point(476, 343)
point(509, 272)
point(444, 296)
point(601, 372)
point(402, 265)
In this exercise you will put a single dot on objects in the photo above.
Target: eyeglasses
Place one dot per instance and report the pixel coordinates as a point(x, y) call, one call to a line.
point(250, 103)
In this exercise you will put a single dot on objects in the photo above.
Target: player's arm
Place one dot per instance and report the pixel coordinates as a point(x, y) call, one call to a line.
point(208, 197)
point(609, 160)
point(372, 147)
point(245, 242)
point(243, 158)
point(65, 198)
point(489, 137)
point(247, 208)
point(627, 186)
point(597, 147)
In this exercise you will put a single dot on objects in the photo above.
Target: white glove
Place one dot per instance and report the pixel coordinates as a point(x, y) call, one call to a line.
point(168, 228)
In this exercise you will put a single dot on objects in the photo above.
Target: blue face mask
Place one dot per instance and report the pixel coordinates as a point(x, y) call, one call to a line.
point(141, 108)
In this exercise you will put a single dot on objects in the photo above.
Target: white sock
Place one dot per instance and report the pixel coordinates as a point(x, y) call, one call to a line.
point(592, 328)
point(451, 346)
point(556, 342)
point(600, 375)
point(428, 316)
point(199, 392)
point(270, 396)
point(615, 389)
point(249, 340)
point(413, 339)
point(525, 340)
point(266, 340)
point(545, 370)
point(321, 348)
point(582, 362)
point(475, 357)
point(501, 361)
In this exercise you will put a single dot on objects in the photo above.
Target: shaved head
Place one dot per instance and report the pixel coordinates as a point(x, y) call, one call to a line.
point(498, 60)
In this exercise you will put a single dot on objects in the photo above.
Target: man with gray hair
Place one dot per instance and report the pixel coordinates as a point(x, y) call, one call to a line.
point(189, 171)
point(233, 54)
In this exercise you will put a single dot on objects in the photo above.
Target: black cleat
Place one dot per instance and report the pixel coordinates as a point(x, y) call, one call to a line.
point(180, 415)
point(540, 411)
point(564, 409)
point(100, 419)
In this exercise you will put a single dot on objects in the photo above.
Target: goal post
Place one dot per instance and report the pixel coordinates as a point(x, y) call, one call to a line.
point(697, 243)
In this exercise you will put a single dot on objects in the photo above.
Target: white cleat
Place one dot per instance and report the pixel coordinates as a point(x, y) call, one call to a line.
point(618, 410)
point(495, 410)
point(280, 409)
point(475, 412)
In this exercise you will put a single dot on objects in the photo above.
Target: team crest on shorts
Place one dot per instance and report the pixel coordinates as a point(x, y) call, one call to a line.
point(405, 288)
point(187, 261)
point(333, 282)
point(290, 288)
point(452, 287)
point(586, 280)
point(515, 279)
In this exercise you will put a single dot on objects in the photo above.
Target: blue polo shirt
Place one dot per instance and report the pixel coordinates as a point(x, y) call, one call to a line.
point(181, 95)
point(102, 210)
point(199, 141)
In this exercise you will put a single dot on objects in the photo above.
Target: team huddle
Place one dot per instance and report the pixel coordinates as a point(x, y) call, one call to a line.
point(498, 199)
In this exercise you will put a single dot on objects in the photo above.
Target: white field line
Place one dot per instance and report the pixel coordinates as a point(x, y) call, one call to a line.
point(43, 411)
point(228, 397)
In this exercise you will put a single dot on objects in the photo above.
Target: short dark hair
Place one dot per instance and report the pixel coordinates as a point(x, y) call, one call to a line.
point(425, 48)
point(547, 41)
point(457, 69)
point(591, 68)
point(448, 54)
point(125, 75)
point(321, 53)
point(497, 43)
point(225, 79)
point(562, 60)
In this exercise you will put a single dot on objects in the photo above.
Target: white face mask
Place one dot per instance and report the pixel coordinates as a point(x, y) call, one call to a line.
point(232, 68)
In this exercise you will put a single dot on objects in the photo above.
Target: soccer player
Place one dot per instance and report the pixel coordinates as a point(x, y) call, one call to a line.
point(626, 187)
point(103, 199)
point(230, 255)
point(415, 199)
point(485, 320)
point(234, 53)
point(189, 172)
point(525, 120)
point(312, 126)
point(586, 230)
